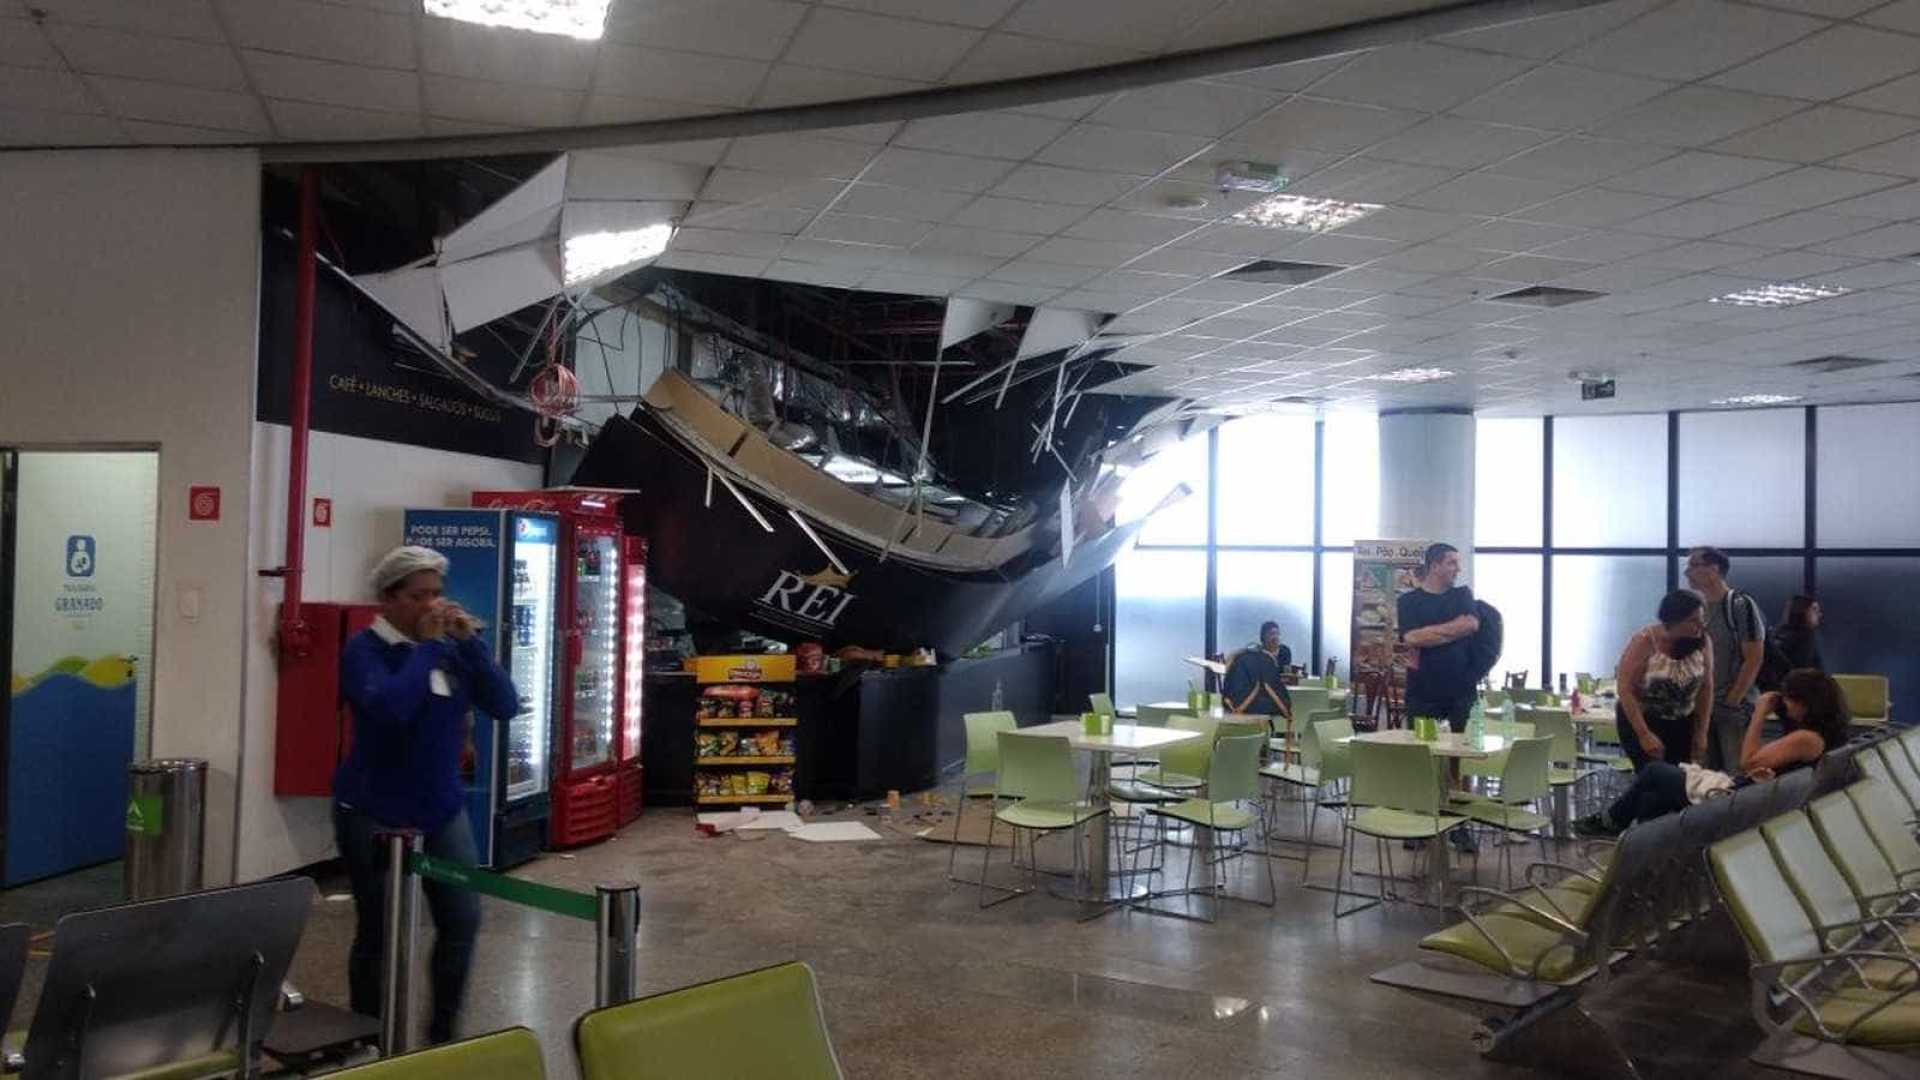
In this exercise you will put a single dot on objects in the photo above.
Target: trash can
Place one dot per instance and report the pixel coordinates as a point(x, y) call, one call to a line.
point(166, 826)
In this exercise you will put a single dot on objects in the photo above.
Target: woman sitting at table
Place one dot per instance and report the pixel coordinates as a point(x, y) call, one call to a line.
point(1809, 707)
point(1666, 685)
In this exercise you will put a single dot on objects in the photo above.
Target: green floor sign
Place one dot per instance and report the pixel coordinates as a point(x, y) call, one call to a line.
point(144, 815)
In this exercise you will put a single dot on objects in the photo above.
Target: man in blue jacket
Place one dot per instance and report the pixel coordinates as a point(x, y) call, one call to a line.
point(411, 680)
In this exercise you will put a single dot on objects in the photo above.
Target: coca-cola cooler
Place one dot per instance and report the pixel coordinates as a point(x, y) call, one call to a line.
point(602, 615)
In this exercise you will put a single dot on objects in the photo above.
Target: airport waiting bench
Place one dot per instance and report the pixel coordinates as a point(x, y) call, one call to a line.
point(1521, 960)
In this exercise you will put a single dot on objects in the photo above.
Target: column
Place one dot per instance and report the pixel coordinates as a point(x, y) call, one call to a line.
point(1426, 479)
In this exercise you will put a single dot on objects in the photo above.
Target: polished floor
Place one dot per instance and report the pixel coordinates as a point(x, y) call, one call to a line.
point(919, 983)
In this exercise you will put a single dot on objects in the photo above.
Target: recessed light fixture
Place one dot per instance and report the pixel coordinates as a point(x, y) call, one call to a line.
point(583, 19)
point(1302, 213)
point(1780, 295)
point(589, 255)
point(1758, 399)
point(1413, 375)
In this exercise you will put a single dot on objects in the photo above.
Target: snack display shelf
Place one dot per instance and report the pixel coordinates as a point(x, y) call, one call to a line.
point(737, 800)
point(748, 722)
point(738, 759)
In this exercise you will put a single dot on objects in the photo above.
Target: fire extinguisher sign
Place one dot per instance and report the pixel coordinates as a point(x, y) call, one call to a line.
point(203, 502)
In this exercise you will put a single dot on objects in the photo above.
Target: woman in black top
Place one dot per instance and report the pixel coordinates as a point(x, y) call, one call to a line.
point(1808, 705)
point(1797, 639)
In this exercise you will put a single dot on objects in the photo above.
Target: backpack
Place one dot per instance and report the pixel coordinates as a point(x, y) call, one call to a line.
point(1743, 613)
point(1488, 641)
point(1774, 664)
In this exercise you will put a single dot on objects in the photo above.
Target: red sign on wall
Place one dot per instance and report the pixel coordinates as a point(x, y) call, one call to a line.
point(322, 513)
point(203, 502)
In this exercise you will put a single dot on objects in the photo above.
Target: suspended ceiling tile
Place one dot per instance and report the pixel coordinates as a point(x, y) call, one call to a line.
point(329, 31)
point(1017, 215)
point(497, 54)
point(1488, 194)
point(1050, 183)
point(1370, 180)
point(1419, 75)
point(307, 120)
point(1790, 266)
point(166, 18)
point(501, 103)
point(1818, 133)
point(728, 242)
point(1899, 96)
point(1698, 219)
point(1544, 38)
point(1012, 56)
point(914, 204)
point(801, 155)
point(1561, 97)
point(1900, 157)
point(1002, 245)
point(1186, 108)
point(656, 73)
point(878, 44)
point(854, 228)
point(1129, 227)
point(943, 172)
point(45, 89)
point(1809, 187)
point(157, 102)
point(1693, 39)
point(1696, 173)
point(1036, 272)
point(1143, 25)
point(794, 84)
point(1455, 143)
point(1108, 149)
point(1330, 126)
point(1898, 204)
point(326, 82)
point(1888, 242)
point(22, 44)
point(1015, 136)
point(702, 262)
point(1581, 160)
point(752, 29)
point(1799, 230)
point(28, 127)
point(1696, 116)
point(99, 51)
point(1830, 64)
point(616, 109)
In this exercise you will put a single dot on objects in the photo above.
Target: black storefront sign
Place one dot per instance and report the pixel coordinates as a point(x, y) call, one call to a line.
point(369, 383)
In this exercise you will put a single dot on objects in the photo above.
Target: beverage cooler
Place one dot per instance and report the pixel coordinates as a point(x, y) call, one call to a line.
point(505, 568)
point(596, 761)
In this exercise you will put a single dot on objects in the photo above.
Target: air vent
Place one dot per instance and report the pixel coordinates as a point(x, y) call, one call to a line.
point(1827, 365)
point(1274, 272)
point(1547, 296)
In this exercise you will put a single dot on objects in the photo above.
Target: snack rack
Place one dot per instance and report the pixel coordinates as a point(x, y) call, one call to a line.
point(745, 728)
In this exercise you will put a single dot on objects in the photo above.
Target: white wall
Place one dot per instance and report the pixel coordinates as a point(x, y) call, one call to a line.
point(370, 483)
point(128, 295)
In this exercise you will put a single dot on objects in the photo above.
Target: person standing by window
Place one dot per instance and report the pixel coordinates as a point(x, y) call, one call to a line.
point(1437, 619)
point(1797, 640)
point(411, 680)
point(1738, 634)
point(1253, 683)
point(1666, 685)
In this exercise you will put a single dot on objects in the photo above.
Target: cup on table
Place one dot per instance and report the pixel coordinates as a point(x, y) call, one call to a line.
point(1090, 723)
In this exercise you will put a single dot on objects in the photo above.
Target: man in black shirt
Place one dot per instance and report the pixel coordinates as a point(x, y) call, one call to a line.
point(1437, 620)
point(1253, 682)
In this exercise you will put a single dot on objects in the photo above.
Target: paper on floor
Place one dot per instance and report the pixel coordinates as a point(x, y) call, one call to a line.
point(831, 831)
point(776, 819)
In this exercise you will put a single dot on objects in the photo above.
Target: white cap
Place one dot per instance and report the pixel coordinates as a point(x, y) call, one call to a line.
point(395, 566)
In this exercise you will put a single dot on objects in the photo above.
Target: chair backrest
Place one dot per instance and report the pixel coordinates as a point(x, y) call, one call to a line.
point(1190, 757)
point(759, 1024)
point(1101, 703)
point(1529, 766)
point(1231, 728)
point(1233, 773)
point(1395, 776)
point(1038, 767)
point(1556, 724)
point(1495, 697)
point(513, 1054)
point(1859, 859)
point(1336, 757)
point(1822, 891)
point(1865, 695)
point(1307, 732)
point(983, 748)
point(14, 939)
point(1308, 699)
point(1153, 715)
point(1760, 899)
point(1893, 761)
point(1885, 816)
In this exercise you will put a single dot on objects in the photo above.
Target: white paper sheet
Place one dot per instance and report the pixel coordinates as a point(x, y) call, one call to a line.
point(775, 819)
point(833, 831)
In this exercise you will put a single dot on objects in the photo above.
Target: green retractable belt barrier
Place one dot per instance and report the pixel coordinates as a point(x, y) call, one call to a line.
point(574, 905)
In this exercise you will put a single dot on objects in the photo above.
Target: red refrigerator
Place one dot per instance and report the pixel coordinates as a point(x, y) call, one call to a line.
point(603, 619)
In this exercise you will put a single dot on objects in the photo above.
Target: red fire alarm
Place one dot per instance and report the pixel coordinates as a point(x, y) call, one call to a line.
point(323, 513)
point(203, 502)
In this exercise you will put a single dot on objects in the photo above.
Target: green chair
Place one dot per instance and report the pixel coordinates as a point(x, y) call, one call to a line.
point(1037, 771)
point(1867, 699)
point(1101, 703)
point(1837, 914)
point(744, 1027)
point(1396, 796)
point(1233, 784)
point(1523, 783)
point(1183, 765)
point(1800, 984)
point(513, 1054)
point(1875, 884)
point(1566, 777)
point(1889, 763)
point(1887, 818)
point(983, 760)
point(1308, 699)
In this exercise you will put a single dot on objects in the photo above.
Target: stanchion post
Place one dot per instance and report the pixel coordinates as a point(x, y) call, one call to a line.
point(396, 959)
point(616, 953)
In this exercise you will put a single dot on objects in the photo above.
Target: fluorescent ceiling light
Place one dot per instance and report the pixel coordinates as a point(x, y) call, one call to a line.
point(1779, 296)
point(583, 19)
point(1413, 375)
point(590, 255)
point(1758, 399)
point(1302, 213)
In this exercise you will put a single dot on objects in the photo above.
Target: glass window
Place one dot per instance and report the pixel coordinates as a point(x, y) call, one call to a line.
point(1259, 585)
point(1609, 483)
point(1352, 471)
point(1507, 485)
point(1866, 611)
point(1743, 478)
point(1336, 612)
point(1159, 617)
point(1512, 584)
point(1185, 522)
point(1266, 481)
point(1867, 495)
point(1598, 602)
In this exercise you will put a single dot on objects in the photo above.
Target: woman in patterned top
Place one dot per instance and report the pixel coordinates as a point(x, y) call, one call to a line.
point(1666, 685)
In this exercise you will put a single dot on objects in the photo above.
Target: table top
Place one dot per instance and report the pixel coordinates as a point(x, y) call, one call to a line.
point(1446, 744)
point(1124, 736)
